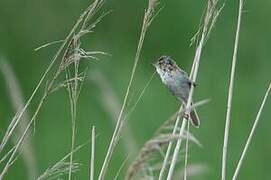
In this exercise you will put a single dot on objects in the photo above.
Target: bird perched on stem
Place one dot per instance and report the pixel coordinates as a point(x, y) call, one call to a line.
point(177, 82)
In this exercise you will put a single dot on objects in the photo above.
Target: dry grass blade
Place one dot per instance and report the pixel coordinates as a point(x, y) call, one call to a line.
point(148, 150)
point(71, 63)
point(92, 158)
point(167, 156)
point(230, 94)
point(50, 86)
point(168, 124)
point(48, 44)
point(175, 118)
point(6, 155)
point(237, 170)
point(17, 101)
point(111, 104)
point(16, 119)
point(155, 144)
point(210, 17)
point(186, 154)
point(73, 94)
point(68, 82)
point(121, 167)
point(62, 167)
point(148, 17)
point(139, 97)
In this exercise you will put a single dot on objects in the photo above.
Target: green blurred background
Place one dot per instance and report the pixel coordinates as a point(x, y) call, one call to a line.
point(25, 25)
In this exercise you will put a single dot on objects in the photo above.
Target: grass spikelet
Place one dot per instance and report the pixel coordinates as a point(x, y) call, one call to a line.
point(149, 148)
point(61, 167)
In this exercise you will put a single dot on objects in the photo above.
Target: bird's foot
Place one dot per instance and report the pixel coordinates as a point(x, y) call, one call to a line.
point(191, 83)
point(186, 116)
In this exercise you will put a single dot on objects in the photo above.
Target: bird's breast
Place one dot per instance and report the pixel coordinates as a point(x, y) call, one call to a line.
point(178, 87)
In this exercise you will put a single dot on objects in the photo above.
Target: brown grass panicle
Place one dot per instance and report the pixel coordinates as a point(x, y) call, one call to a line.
point(72, 54)
point(147, 156)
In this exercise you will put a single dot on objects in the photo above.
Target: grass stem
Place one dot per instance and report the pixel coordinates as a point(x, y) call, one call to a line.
point(230, 94)
point(148, 17)
point(252, 132)
point(92, 157)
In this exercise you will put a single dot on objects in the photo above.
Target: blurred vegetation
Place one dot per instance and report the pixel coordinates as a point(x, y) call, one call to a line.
point(25, 25)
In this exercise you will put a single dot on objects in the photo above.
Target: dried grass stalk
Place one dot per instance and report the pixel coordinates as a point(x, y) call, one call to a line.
point(71, 41)
point(211, 15)
point(111, 104)
point(252, 132)
point(155, 144)
point(92, 157)
point(147, 151)
point(61, 167)
point(230, 94)
point(148, 17)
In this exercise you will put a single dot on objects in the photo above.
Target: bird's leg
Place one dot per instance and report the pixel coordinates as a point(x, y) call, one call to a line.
point(191, 83)
point(186, 115)
point(194, 84)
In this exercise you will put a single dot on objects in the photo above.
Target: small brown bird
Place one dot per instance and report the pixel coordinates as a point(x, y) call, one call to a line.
point(177, 82)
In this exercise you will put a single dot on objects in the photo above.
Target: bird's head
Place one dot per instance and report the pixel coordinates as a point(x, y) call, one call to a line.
point(165, 65)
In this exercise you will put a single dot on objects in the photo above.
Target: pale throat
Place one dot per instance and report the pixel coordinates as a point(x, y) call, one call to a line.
point(167, 76)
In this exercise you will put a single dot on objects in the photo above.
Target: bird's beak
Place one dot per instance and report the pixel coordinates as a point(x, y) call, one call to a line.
point(154, 65)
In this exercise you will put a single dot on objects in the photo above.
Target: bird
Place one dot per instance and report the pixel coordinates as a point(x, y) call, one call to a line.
point(177, 81)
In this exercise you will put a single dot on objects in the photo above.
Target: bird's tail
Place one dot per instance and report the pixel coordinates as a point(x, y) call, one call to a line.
point(194, 118)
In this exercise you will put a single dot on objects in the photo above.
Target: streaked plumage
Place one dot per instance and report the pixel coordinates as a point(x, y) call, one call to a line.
point(177, 82)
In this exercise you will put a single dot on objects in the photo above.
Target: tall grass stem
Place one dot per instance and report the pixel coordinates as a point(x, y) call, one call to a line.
point(148, 17)
point(251, 134)
point(230, 94)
